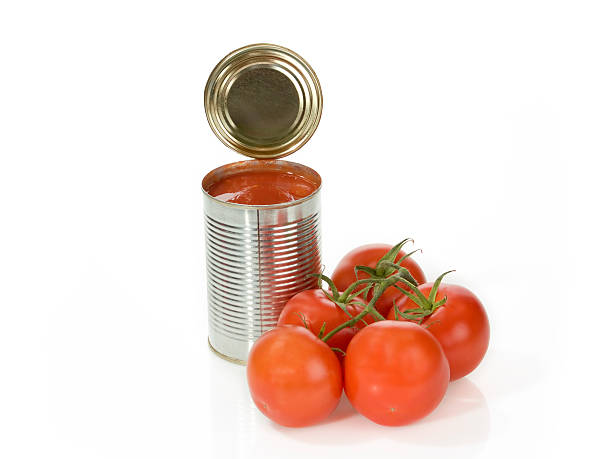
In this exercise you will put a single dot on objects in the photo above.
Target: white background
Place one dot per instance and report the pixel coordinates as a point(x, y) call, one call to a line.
point(478, 128)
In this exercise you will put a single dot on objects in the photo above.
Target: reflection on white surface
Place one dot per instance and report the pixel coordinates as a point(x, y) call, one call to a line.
point(462, 421)
point(509, 374)
point(232, 411)
point(463, 417)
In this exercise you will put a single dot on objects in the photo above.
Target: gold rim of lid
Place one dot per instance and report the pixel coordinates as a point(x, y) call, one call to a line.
point(263, 100)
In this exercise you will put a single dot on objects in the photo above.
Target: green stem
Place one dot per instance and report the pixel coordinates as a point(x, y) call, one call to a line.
point(378, 291)
point(348, 323)
point(328, 281)
point(377, 315)
point(342, 298)
point(403, 272)
point(427, 306)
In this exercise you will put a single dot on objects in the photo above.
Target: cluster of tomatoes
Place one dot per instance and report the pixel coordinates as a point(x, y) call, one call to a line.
point(390, 339)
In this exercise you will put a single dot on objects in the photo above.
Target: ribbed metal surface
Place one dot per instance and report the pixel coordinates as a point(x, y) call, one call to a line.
point(256, 260)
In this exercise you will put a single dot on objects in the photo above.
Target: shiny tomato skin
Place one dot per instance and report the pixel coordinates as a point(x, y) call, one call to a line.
point(395, 372)
point(317, 309)
point(368, 255)
point(461, 326)
point(294, 378)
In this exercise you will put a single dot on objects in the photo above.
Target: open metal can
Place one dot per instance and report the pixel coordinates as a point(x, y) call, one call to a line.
point(265, 102)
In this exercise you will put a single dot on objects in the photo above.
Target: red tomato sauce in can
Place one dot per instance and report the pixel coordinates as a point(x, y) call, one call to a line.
point(262, 186)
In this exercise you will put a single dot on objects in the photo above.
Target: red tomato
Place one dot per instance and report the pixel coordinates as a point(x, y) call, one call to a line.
point(368, 255)
point(294, 377)
point(460, 325)
point(315, 308)
point(395, 372)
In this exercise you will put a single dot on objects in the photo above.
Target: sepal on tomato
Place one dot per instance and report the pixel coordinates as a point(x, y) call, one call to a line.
point(426, 306)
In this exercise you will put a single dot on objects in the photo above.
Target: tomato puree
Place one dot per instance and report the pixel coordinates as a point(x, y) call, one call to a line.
point(261, 186)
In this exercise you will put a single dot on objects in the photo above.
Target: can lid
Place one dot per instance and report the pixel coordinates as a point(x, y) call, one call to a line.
point(263, 100)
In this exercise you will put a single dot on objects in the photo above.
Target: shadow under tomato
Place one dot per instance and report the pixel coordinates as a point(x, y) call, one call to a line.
point(343, 411)
point(461, 418)
point(337, 429)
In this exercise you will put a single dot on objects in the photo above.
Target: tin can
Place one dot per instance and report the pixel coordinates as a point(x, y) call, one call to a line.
point(263, 101)
point(257, 258)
